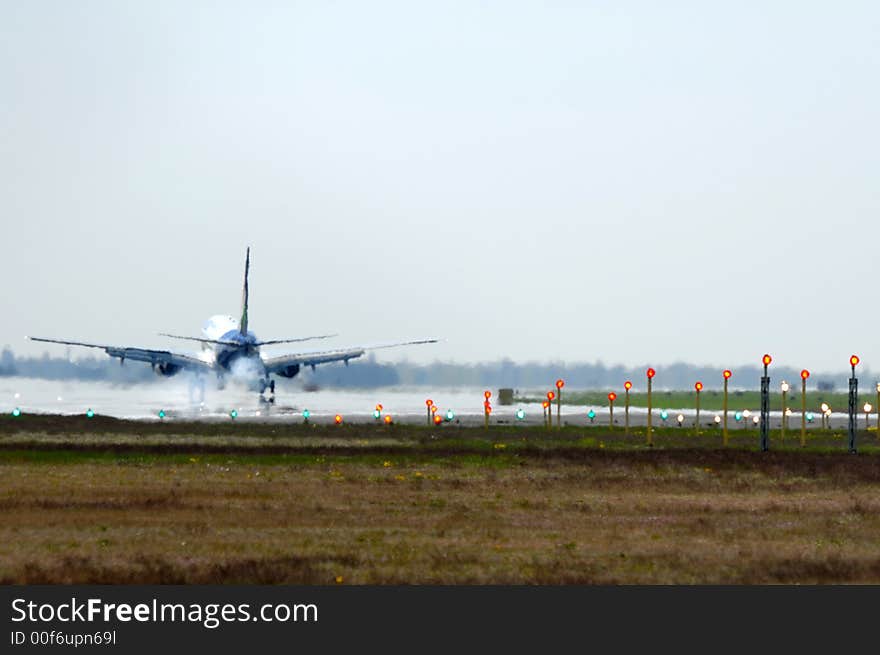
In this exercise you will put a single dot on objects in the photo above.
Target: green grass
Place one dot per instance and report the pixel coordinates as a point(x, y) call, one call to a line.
point(105, 501)
point(130, 440)
point(580, 515)
point(710, 400)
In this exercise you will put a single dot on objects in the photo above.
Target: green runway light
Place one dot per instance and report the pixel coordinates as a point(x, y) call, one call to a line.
point(306, 414)
point(591, 414)
point(161, 413)
point(233, 413)
point(739, 416)
point(520, 415)
point(90, 413)
point(16, 412)
point(664, 414)
point(376, 414)
point(809, 417)
point(450, 415)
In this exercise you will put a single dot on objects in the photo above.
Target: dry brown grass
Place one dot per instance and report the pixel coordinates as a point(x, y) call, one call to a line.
point(714, 517)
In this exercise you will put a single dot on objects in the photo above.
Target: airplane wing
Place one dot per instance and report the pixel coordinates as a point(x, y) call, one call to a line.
point(153, 357)
point(278, 363)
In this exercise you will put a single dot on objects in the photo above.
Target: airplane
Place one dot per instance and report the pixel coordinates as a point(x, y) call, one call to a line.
point(229, 348)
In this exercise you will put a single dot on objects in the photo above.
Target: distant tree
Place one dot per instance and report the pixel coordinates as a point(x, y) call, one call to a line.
point(7, 362)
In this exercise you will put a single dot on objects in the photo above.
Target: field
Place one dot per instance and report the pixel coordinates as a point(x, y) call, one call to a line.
point(108, 501)
point(713, 400)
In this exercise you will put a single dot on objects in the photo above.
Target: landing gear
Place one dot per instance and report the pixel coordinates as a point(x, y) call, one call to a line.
point(270, 385)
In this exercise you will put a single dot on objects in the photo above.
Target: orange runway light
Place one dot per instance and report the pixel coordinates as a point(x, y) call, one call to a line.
point(560, 383)
point(727, 374)
point(805, 374)
point(627, 385)
point(651, 372)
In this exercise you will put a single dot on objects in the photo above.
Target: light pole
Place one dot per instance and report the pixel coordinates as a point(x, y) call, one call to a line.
point(650, 373)
point(559, 384)
point(853, 402)
point(765, 405)
point(784, 387)
point(550, 396)
point(629, 385)
point(611, 398)
point(878, 410)
point(726, 375)
point(867, 409)
point(698, 387)
point(826, 411)
point(804, 375)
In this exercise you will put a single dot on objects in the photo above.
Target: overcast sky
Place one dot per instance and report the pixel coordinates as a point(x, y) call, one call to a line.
point(631, 182)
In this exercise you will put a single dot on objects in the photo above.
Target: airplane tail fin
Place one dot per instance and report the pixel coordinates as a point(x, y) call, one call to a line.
point(243, 325)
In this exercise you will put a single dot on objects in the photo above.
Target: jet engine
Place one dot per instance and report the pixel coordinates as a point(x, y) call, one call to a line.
point(289, 372)
point(166, 370)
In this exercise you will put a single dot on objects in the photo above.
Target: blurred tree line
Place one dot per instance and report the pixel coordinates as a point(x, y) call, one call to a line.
point(367, 373)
